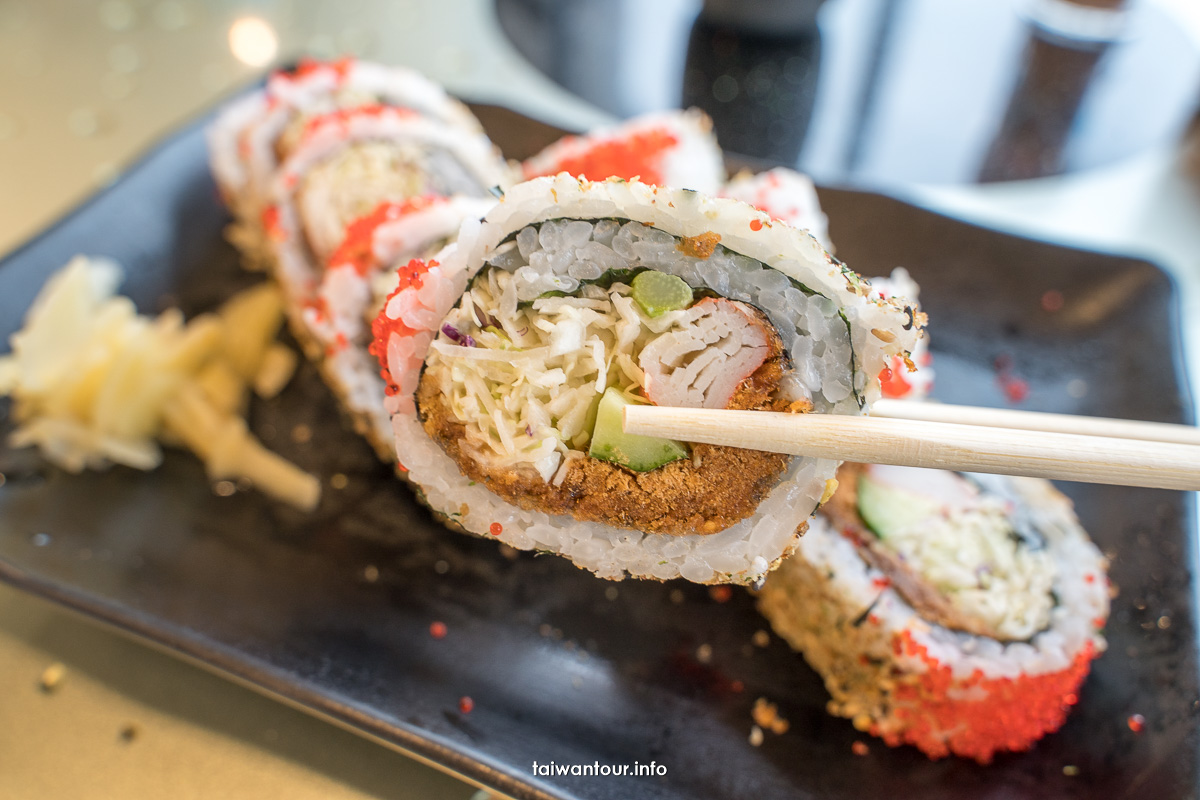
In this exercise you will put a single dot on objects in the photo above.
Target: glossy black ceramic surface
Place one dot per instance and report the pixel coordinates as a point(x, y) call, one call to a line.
point(332, 610)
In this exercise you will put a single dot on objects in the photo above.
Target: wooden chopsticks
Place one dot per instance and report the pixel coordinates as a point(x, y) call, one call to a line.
point(1059, 446)
point(1037, 421)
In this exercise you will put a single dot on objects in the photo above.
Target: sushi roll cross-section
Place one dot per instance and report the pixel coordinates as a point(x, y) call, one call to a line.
point(510, 354)
point(956, 613)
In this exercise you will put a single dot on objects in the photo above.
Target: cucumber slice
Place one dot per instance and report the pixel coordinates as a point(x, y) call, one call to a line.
point(660, 292)
point(886, 509)
point(638, 453)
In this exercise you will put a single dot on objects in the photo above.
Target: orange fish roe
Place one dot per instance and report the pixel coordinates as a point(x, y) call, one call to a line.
point(357, 249)
point(720, 594)
point(930, 712)
point(383, 326)
point(756, 224)
point(437, 630)
point(892, 379)
point(860, 748)
point(496, 528)
point(272, 225)
point(1052, 301)
point(340, 343)
point(466, 705)
point(318, 307)
point(1136, 722)
point(342, 117)
point(638, 155)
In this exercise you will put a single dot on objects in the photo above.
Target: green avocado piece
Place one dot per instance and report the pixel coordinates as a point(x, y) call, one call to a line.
point(886, 509)
point(611, 443)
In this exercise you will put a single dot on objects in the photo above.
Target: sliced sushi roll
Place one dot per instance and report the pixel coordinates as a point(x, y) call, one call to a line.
point(346, 165)
point(253, 136)
point(356, 281)
point(786, 195)
point(666, 148)
point(348, 162)
point(956, 613)
point(511, 355)
point(897, 380)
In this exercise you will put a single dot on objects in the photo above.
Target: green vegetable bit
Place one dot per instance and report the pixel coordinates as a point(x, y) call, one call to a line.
point(638, 453)
point(886, 509)
point(659, 292)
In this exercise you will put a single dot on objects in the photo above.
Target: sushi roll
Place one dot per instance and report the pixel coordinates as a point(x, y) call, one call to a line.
point(254, 135)
point(896, 380)
point(348, 162)
point(348, 165)
point(787, 196)
point(510, 356)
point(338, 172)
point(956, 613)
point(353, 287)
point(666, 148)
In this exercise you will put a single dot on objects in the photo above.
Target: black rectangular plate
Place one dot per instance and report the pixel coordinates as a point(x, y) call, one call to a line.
point(561, 667)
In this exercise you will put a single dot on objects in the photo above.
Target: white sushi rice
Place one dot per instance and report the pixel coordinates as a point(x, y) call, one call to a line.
point(744, 552)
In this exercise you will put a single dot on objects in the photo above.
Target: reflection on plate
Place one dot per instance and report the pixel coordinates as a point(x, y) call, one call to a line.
point(332, 611)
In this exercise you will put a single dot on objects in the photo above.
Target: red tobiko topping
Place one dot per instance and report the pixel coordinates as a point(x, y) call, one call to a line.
point(1136, 723)
point(342, 117)
point(437, 630)
point(721, 594)
point(318, 307)
point(340, 343)
point(465, 704)
point(496, 529)
point(357, 248)
point(383, 326)
point(1015, 389)
point(1013, 714)
point(1052, 301)
point(892, 379)
point(272, 224)
point(637, 155)
point(756, 224)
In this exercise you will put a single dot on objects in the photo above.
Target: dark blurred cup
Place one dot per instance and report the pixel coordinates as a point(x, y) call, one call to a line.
point(1067, 39)
point(752, 65)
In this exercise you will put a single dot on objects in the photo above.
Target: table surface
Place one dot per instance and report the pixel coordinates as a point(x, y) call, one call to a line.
point(84, 87)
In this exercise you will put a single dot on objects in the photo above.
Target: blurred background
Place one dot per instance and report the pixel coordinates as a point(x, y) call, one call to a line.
point(957, 103)
point(882, 93)
point(887, 92)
